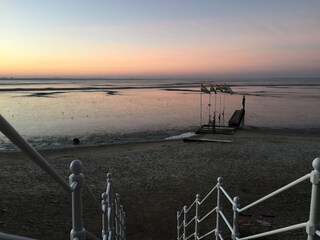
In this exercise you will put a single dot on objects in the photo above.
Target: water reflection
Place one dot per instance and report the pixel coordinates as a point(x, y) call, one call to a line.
point(131, 107)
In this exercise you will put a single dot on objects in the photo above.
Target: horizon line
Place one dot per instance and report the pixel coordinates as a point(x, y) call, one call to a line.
point(154, 78)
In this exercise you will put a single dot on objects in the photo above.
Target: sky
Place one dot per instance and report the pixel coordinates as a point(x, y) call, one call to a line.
point(152, 38)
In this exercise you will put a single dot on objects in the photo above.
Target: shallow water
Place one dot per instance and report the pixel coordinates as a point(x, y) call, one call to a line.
point(50, 113)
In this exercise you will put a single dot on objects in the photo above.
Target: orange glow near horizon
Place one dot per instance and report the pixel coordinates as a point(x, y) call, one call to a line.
point(126, 62)
point(130, 61)
point(158, 40)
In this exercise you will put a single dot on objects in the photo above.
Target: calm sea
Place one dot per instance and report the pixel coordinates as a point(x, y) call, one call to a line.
point(50, 113)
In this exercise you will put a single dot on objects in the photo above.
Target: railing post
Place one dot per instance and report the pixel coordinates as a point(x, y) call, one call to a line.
point(196, 224)
point(117, 215)
point(235, 207)
point(178, 225)
point(121, 222)
point(184, 222)
point(110, 199)
point(104, 206)
point(220, 183)
point(77, 232)
point(124, 224)
point(314, 217)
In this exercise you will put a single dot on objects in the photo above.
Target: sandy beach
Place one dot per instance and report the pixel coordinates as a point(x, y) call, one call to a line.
point(156, 179)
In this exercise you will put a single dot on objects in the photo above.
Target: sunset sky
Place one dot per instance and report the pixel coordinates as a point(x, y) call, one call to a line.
point(147, 38)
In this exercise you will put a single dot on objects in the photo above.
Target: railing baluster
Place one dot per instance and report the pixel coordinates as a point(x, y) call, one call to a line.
point(314, 217)
point(196, 223)
point(178, 226)
point(112, 212)
point(117, 210)
point(124, 226)
point(104, 206)
point(235, 207)
point(219, 207)
point(184, 222)
point(312, 226)
point(77, 221)
point(111, 234)
point(122, 222)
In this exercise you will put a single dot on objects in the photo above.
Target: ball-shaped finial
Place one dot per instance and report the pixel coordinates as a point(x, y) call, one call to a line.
point(109, 175)
point(316, 163)
point(197, 196)
point(76, 166)
point(104, 196)
point(220, 180)
point(236, 200)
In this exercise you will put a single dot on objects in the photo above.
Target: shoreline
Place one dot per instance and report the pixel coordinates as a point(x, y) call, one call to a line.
point(95, 140)
point(156, 179)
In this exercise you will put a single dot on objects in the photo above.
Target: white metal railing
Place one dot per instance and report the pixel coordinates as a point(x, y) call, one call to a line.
point(113, 216)
point(312, 226)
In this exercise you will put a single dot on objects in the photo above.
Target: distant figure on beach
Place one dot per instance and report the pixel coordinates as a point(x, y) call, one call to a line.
point(243, 101)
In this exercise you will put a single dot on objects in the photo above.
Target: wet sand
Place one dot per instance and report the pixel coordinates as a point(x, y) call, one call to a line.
point(156, 179)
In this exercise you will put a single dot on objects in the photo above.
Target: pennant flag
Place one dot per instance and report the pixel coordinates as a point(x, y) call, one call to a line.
point(204, 89)
point(219, 88)
point(213, 89)
point(228, 89)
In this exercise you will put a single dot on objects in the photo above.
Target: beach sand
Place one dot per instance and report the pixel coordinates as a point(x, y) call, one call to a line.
point(156, 179)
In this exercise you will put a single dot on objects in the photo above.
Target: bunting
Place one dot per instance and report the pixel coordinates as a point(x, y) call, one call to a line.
point(204, 89)
point(213, 89)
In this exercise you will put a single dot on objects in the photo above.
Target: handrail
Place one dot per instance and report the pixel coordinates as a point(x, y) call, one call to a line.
point(113, 216)
point(312, 225)
point(214, 188)
point(112, 210)
point(286, 187)
point(207, 234)
point(200, 220)
point(92, 196)
point(226, 195)
point(181, 225)
point(192, 234)
point(187, 224)
point(11, 133)
point(5, 236)
point(280, 230)
point(189, 208)
point(180, 213)
point(89, 235)
point(225, 220)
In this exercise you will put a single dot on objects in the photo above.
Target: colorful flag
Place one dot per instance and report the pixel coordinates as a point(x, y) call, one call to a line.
point(219, 88)
point(228, 89)
point(213, 89)
point(204, 89)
